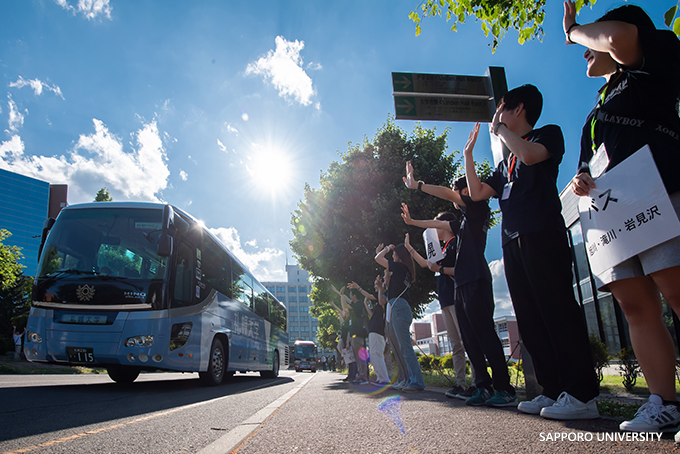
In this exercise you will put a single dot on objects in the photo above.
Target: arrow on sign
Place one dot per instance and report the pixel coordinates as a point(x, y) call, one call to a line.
point(405, 82)
point(408, 106)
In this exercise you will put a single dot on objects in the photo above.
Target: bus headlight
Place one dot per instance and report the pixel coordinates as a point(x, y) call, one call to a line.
point(139, 341)
point(33, 337)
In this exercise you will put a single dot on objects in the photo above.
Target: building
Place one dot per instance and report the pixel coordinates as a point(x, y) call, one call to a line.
point(508, 333)
point(25, 203)
point(294, 294)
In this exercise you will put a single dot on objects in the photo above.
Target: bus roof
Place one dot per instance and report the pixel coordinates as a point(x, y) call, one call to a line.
point(301, 342)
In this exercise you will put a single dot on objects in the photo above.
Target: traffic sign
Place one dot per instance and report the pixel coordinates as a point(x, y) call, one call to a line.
point(448, 97)
point(443, 108)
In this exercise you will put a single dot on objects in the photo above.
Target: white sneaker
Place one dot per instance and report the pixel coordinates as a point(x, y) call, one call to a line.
point(534, 407)
point(654, 416)
point(677, 438)
point(568, 407)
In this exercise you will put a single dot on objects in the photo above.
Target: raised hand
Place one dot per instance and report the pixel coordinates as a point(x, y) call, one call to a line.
point(409, 181)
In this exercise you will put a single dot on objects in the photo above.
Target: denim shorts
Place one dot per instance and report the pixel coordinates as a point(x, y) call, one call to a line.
point(660, 257)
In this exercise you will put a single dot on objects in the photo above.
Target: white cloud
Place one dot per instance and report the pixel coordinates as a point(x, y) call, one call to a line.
point(283, 69)
point(230, 128)
point(501, 295)
point(137, 175)
point(88, 8)
point(37, 85)
point(16, 118)
point(221, 145)
point(265, 263)
point(183, 175)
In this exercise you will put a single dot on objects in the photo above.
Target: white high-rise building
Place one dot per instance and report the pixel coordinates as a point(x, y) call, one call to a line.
point(294, 294)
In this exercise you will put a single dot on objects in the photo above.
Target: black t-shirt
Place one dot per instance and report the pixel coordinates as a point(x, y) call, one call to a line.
point(445, 285)
point(357, 318)
point(377, 322)
point(534, 203)
point(472, 242)
point(400, 280)
point(641, 108)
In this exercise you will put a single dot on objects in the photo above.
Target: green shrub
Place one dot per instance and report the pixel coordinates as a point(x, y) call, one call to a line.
point(601, 355)
point(425, 362)
point(447, 361)
point(3, 346)
point(629, 368)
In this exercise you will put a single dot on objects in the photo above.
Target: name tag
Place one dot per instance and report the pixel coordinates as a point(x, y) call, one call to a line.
point(506, 191)
point(599, 162)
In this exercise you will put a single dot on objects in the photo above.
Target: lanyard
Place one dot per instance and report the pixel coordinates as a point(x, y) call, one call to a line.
point(511, 166)
point(600, 103)
point(447, 243)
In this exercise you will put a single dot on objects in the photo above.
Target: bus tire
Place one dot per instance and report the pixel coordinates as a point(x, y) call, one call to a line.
point(123, 374)
point(217, 365)
point(275, 368)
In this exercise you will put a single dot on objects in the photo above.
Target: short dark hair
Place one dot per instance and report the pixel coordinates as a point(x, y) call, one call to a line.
point(530, 97)
point(630, 14)
point(460, 183)
point(446, 216)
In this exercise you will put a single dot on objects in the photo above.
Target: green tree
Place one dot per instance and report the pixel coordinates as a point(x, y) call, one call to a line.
point(10, 268)
point(337, 227)
point(103, 196)
point(15, 302)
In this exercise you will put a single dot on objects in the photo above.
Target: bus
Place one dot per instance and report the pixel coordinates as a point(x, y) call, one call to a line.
point(134, 287)
point(305, 356)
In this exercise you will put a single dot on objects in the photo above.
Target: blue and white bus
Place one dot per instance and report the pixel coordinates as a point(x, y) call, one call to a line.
point(143, 286)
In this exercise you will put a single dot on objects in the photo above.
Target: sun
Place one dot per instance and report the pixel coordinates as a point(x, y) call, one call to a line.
point(270, 170)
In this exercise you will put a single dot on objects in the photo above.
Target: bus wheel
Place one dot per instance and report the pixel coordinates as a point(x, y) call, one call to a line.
point(275, 368)
point(123, 374)
point(217, 365)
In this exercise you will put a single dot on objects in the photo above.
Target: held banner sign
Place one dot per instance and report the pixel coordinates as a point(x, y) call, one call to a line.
point(629, 212)
point(432, 246)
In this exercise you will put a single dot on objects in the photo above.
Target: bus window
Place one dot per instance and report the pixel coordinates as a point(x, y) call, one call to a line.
point(261, 301)
point(242, 285)
point(184, 271)
point(277, 313)
point(216, 267)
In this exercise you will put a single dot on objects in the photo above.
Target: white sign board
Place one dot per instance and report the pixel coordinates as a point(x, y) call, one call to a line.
point(629, 212)
point(432, 246)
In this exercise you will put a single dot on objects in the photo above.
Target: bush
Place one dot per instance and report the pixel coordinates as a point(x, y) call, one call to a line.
point(629, 368)
point(425, 362)
point(447, 361)
point(3, 346)
point(601, 355)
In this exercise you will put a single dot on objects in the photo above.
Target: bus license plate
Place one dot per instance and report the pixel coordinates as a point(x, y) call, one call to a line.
point(80, 355)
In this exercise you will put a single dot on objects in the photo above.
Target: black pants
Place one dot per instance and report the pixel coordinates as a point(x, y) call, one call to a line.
point(474, 310)
point(550, 321)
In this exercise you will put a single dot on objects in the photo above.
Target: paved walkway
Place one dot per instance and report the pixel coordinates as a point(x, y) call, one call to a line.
point(327, 415)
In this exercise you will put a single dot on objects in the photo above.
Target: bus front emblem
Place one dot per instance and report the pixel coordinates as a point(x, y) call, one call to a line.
point(85, 292)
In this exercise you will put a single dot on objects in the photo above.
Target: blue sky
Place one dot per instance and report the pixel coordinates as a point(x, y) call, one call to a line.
point(226, 109)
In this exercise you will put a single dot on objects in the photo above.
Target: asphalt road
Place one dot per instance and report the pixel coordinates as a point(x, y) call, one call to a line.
point(315, 413)
point(158, 413)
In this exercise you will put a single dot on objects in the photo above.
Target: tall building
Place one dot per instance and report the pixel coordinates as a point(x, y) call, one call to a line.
point(25, 203)
point(294, 294)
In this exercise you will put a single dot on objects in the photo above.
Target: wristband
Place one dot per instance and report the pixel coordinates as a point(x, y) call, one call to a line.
point(420, 185)
point(575, 24)
point(495, 128)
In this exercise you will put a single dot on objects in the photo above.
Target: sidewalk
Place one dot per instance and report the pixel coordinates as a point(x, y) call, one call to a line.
point(329, 416)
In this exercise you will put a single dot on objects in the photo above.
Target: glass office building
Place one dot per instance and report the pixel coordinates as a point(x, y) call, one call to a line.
point(24, 205)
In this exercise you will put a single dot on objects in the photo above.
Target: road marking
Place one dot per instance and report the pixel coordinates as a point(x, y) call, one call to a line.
point(235, 438)
point(250, 422)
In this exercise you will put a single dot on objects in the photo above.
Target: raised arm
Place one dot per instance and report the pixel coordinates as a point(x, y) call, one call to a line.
point(380, 288)
point(419, 258)
point(438, 191)
point(380, 254)
point(426, 224)
point(529, 153)
point(618, 39)
point(478, 190)
point(355, 286)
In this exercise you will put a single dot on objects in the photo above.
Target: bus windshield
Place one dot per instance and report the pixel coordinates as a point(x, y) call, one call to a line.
point(305, 351)
point(114, 248)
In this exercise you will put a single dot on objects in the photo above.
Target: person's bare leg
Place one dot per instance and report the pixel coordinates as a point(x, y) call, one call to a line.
point(641, 303)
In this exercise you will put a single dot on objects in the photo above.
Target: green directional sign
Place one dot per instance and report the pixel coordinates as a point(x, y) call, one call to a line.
point(441, 84)
point(443, 108)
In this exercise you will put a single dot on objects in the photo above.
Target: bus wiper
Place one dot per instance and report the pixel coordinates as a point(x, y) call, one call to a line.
point(68, 272)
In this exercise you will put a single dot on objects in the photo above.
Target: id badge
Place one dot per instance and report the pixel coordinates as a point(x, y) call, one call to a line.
point(506, 190)
point(599, 162)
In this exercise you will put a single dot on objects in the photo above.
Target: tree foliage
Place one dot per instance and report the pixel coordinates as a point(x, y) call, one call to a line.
point(10, 268)
point(671, 20)
point(496, 16)
point(336, 228)
point(15, 302)
point(103, 196)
